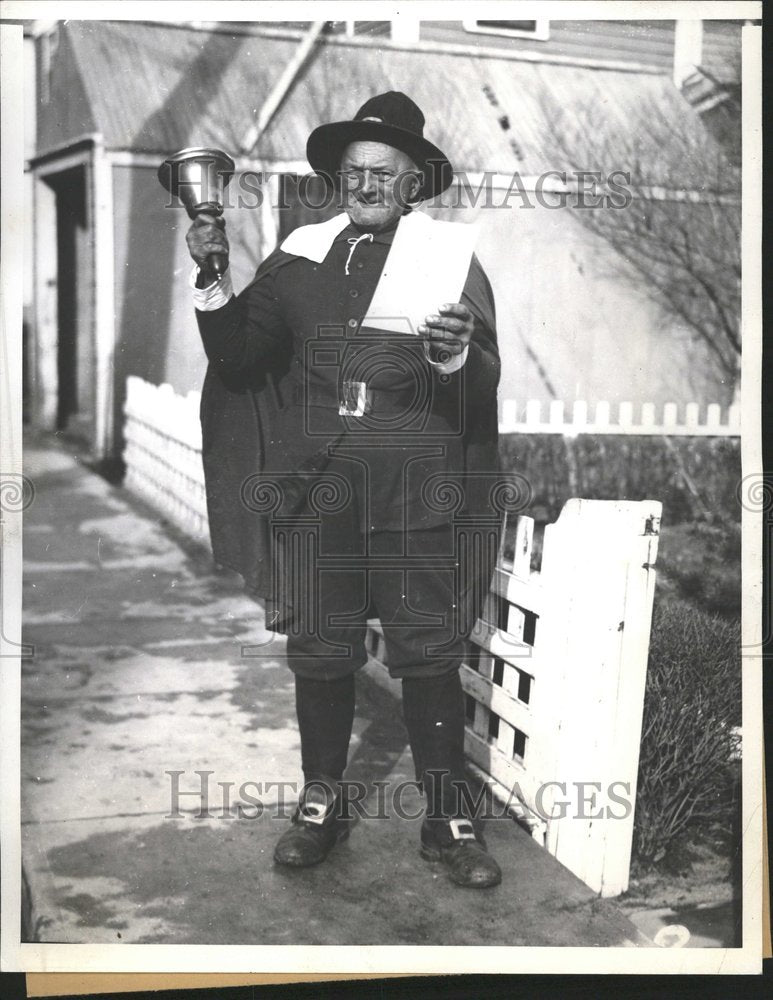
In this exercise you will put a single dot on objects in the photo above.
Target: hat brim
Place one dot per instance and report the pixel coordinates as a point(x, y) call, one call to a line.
point(327, 143)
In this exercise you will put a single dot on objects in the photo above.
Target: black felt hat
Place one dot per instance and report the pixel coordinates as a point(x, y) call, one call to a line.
point(393, 119)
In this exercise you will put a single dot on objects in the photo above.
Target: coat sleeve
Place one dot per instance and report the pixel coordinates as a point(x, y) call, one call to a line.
point(240, 401)
point(482, 368)
point(249, 329)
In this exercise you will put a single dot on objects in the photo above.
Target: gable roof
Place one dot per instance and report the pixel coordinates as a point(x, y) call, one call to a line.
point(160, 87)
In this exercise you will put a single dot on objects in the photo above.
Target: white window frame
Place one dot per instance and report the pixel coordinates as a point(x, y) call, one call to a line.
point(400, 29)
point(541, 31)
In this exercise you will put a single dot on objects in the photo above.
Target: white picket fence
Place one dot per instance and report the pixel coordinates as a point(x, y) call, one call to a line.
point(690, 420)
point(555, 679)
point(162, 453)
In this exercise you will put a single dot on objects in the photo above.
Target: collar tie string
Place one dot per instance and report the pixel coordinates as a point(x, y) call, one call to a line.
point(352, 241)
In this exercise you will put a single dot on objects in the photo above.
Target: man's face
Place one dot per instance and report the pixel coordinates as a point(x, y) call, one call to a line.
point(377, 183)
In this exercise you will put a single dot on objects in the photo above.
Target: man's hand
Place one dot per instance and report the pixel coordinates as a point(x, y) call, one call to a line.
point(205, 236)
point(449, 332)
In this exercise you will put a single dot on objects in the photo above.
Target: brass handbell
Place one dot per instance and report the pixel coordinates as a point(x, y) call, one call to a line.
point(198, 176)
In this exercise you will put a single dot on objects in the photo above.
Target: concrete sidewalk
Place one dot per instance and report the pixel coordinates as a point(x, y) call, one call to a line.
point(138, 670)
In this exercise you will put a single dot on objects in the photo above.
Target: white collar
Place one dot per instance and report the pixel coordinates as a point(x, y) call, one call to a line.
point(314, 241)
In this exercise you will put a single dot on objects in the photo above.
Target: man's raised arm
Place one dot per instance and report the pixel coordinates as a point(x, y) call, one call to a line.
point(238, 331)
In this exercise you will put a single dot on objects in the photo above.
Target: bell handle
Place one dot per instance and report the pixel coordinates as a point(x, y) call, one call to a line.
point(218, 263)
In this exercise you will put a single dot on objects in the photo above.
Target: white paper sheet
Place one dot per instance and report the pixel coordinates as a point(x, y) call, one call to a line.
point(426, 267)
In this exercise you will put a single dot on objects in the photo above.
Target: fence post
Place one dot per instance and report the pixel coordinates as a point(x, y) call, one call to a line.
point(592, 641)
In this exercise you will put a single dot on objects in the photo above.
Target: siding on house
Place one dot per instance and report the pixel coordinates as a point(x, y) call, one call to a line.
point(647, 42)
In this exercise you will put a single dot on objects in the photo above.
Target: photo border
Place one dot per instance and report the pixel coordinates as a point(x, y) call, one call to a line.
point(337, 959)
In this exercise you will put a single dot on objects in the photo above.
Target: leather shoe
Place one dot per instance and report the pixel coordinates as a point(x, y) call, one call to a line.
point(462, 851)
point(315, 829)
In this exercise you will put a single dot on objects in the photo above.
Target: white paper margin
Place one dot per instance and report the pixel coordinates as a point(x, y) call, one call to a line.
point(495, 959)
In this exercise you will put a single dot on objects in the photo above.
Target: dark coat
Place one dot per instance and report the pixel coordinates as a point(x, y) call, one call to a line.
point(248, 409)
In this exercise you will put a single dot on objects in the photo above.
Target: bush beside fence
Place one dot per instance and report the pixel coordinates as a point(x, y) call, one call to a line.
point(701, 563)
point(694, 477)
point(690, 733)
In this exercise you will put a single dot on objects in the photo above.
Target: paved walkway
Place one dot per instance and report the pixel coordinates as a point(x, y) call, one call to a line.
point(138, 670)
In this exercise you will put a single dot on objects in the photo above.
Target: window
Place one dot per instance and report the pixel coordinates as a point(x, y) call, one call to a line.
point(400, 30)
point(352, 28)
point(539, 30)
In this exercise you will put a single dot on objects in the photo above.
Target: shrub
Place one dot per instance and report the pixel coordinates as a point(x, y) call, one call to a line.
point(701, 563)
point(692, 704)
point(628, 467)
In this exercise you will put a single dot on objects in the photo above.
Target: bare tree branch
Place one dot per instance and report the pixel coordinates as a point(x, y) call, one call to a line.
point(684, 251)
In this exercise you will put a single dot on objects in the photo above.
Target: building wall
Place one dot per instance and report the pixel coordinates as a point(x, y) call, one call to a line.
point(649, 42)
point(563, 307)
point(640, 41)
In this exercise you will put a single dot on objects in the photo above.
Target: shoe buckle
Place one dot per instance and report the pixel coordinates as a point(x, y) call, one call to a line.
point(314, 812)
point(462, 829)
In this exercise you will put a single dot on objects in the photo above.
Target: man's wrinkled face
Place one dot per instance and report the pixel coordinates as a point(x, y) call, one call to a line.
point(377, 182)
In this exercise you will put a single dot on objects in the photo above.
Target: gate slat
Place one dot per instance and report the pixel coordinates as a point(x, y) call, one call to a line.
point(526, 593)
point(499, 643)
point(511, 774)
point(524, 538)
point(480, 722)
point(513, 712)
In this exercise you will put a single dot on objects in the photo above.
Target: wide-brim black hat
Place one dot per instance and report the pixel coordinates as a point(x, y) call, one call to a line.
point(393, 119)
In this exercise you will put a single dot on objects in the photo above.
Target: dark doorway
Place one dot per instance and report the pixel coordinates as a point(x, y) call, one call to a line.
point(75, 305)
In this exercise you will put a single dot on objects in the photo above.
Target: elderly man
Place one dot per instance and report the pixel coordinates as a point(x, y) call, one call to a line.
point(305, 389)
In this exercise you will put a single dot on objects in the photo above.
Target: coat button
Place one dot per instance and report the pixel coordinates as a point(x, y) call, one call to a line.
point(352, 323)
point(354, 293)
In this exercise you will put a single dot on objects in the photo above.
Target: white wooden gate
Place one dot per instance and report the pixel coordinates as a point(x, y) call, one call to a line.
point(555, 682)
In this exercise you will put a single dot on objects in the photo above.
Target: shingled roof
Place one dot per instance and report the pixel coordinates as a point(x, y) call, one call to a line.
point(159, 87)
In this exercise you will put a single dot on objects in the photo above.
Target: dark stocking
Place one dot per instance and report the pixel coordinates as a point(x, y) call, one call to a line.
point(433, 709)
point(325, 715)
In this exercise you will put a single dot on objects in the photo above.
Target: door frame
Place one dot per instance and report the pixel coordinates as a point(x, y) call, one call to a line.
point(88, 152)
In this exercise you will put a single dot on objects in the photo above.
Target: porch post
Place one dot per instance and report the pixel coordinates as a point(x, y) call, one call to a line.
point(45, 376)
point(104, 299)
